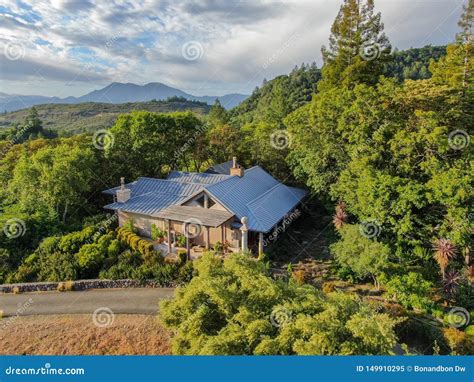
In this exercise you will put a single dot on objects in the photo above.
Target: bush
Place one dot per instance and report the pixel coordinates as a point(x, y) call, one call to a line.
point(365, 257)
point(65, 286)
point(57, 266)
point(157, 233)
point(135, 242)
point(72, 242)
point(300, 276)
point(90, 259)
point(130, 226)
point(234, 307)
point(469, 330)
point(411, 290)
point(113, 249)
point(180, 240)
point(182, 256)
point(457, 341)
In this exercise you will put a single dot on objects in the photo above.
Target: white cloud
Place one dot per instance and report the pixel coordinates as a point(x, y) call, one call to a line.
point(140, 41)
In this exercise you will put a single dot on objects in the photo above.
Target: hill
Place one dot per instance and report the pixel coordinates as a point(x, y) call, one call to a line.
point(295, 89)
point(118, 92)
point(90, 116)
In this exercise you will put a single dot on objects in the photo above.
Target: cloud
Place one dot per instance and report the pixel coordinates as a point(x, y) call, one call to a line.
point(26, 69)
point(141, 41)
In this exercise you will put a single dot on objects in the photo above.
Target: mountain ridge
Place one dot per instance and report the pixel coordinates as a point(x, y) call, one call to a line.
point(117, 93)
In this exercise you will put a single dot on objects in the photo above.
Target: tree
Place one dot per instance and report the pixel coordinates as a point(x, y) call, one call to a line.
point(53, 180)
point(217, 115)
point(149, 144)
point(233, 307)
point(358, 46)
point(32, 122)
point(362, 255)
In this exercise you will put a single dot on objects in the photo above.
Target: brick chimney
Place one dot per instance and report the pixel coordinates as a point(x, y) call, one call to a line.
point(236, 169)
point(123, 194)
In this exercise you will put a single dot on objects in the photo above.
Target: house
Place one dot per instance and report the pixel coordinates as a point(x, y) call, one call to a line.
point(225, 204)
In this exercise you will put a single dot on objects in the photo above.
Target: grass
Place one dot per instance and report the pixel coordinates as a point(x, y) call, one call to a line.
point(77, 334)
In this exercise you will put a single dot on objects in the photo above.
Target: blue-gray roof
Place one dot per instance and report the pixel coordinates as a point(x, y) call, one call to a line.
point(220, 168)
point(197, 177)
point(256, 195)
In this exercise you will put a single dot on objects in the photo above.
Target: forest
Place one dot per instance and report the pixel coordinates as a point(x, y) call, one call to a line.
point(380, 138)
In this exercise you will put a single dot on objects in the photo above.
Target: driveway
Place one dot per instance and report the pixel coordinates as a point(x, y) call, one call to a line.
point(120, 301)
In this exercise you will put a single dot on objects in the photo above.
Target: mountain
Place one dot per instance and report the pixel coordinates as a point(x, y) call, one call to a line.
point(90, 116)
point(117, 93)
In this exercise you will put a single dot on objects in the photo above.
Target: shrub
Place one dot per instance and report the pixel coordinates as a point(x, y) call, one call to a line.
point(234, 307)
point(130, 226)
point(118, 271)
point(329, 287)
point(219, 247)
point(90, 259)
point(180, 240)
point(300, 276)
point(457, 341)
point(65, 286)
point(57, 267)
point(469, 330)
point(157, 233)
point(185, 273)
point(182, 256)
point(113, 249)
point(135, 242)
point(365, 257)
point(72, 242)
point(411, 290)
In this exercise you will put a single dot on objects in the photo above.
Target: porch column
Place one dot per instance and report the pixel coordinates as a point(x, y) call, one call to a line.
point(169, 235)
point(222, 234)
point(260, 243)
point(188, 249)
point(244, 229)
point(206, 201)
point(208, 241)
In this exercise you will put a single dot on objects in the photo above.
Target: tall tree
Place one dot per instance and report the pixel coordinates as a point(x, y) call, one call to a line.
point(358, 47)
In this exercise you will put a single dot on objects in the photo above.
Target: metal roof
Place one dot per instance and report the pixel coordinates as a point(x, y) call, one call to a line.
point(197, 177)
point(257, 195)
point(220, 168)
point(147, 204)
point(167, 186)
point(196, 215)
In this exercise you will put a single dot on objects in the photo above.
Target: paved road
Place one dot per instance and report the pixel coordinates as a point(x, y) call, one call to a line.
point(120, 301)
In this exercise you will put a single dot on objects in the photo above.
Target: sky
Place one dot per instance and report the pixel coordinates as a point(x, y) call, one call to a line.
point(209, 47)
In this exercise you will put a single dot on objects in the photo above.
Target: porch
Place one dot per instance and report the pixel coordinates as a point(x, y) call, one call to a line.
point(196, 224)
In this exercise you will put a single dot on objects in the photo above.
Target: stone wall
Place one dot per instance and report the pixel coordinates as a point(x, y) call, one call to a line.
point(79, 285)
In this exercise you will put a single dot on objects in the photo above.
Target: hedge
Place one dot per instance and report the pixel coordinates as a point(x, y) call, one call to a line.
point(135, 242)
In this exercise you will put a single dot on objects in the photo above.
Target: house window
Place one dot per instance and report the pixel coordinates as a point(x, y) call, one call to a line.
point(201, 201)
